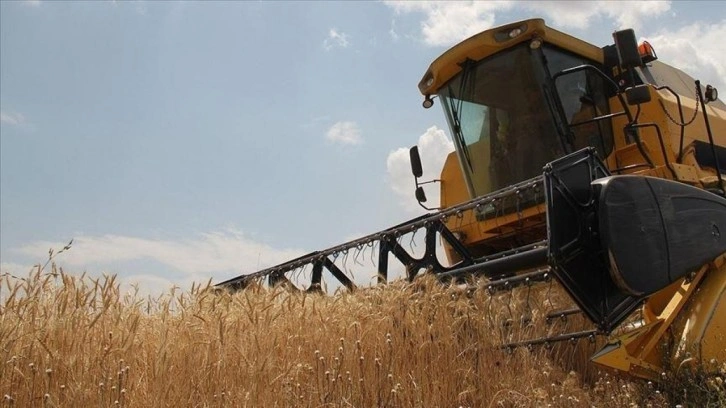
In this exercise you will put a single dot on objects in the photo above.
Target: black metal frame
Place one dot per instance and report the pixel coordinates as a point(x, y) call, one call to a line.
point(387, 242)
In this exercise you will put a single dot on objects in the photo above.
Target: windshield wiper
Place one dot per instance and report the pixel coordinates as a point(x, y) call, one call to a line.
point(457, 107)
point(458, 134)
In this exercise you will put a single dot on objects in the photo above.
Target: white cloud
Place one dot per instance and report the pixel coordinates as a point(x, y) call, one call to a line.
point(635, 14)
point(433, 147)
point(696, 49)
point(12, 118)
point(446, 23)
point(223, 253)
point(345, 132)
point(579, 14)
point(335, 39)
point(33, 3)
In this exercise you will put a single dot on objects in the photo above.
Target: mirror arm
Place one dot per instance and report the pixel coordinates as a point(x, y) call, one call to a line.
point(427, 182)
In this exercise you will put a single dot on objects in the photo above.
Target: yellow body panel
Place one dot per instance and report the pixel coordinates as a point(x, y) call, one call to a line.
point(682, 323)
point(656, 112)
point(453, 187)
point(471, 230)
point(702, 324)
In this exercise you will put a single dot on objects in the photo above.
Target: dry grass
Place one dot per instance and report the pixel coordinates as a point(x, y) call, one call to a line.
point(75, 341)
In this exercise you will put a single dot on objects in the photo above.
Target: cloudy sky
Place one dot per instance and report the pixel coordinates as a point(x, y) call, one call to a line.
point(178, 142)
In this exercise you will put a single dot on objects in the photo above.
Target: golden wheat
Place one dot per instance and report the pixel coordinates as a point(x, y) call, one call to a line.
point(70, 341)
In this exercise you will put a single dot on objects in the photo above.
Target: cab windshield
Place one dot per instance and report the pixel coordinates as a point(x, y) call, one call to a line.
point(502, 112)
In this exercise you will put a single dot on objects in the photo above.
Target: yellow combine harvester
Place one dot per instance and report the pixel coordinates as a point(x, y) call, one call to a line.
point(600, 167)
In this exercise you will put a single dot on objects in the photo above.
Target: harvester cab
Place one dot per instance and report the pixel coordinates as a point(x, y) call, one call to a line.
point(575, 164)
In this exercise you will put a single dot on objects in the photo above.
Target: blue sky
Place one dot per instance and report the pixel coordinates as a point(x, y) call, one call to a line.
point(185, 141)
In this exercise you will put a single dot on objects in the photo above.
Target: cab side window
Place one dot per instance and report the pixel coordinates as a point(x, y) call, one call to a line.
point(583, 100)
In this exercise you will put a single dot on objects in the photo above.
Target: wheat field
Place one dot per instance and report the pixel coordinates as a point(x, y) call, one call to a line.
point(77, 341)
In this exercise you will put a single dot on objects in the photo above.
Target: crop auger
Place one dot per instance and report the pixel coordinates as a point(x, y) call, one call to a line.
point(576, 164)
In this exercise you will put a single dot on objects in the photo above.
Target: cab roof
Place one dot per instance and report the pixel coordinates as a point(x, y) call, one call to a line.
point(491, 41)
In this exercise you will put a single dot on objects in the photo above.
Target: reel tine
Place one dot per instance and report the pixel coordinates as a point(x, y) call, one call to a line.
point(459, 219)
point(345, 259)
point(412, 244)
point(298, 273)
point(373, 245)
point(358, 250)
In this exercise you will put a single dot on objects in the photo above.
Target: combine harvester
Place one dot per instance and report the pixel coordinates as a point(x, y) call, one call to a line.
point(598, 167)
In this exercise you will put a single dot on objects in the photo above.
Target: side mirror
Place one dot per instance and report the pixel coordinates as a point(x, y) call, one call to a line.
point(420, 194)
point(711, 94)
point(637, 94)
point(627, 47)
point(416, 167)
point(417, 171)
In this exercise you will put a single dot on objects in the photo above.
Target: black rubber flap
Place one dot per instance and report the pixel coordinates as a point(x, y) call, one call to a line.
point(656, 231)
point(576, 254)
